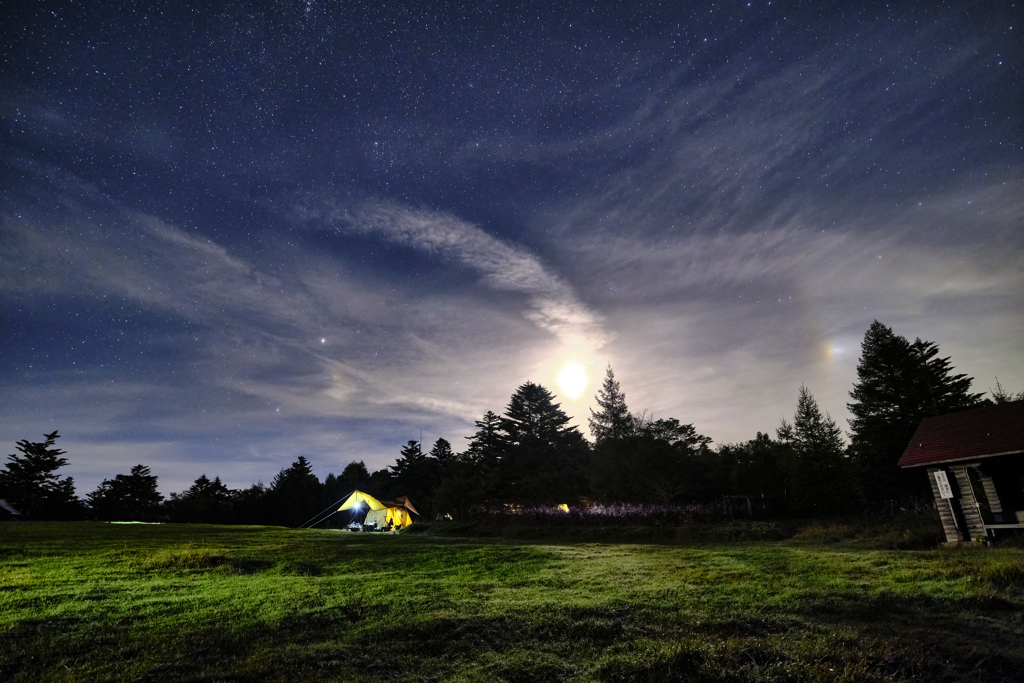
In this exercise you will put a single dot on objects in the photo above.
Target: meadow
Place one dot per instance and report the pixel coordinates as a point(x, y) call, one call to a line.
point(94, 601)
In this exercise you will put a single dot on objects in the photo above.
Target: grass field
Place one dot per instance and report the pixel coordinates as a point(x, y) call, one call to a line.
point(93, 601)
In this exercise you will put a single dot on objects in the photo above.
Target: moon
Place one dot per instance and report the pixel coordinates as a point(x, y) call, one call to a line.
point(572, 380)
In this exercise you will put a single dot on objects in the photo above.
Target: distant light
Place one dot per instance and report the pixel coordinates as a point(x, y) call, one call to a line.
point(323, 340)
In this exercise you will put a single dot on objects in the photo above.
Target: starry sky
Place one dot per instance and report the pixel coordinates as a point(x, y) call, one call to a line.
point(234, 233)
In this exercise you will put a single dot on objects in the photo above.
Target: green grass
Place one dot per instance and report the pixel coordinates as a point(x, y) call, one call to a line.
point(92, 601)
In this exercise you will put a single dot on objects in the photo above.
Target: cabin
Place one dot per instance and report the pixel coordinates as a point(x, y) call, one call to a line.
point(975, 464)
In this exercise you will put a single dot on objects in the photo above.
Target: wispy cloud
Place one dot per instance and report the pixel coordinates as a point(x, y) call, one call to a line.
point(552, 303)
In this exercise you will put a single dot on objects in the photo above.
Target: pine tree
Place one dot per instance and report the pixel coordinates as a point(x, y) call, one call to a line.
point(415, 474)
point(442, 453)
point(532, 418)
point(411, 458)
point(819, 473)
point(543, 457)
point(205, 502)
point(28, 481)
point(486, 446)
point(295, 493)
point(899, 383)
point(127, 497)
point(355, 474)
point(1000, 395)
point(613, 420)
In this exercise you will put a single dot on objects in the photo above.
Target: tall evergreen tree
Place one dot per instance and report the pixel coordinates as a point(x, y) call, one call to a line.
point(544, 458)
point(127, 497)
point(29, 483)
point(442, 453)
point(486, 446)
point(415, 474)
point(206, 502)
point(820, 475)
point(612, 420)
point(473, 481)
point(532, 418)
point(295, 493)
point(355, 474)
point(410, 458)
point(899, 383)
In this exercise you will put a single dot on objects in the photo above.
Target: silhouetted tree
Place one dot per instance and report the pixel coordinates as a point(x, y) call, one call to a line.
point(613, 420)
point(488, 444)
point(28, 481)
point(758, 468)
point(355, 474)
point(662, 462)
point(415, 475)
point(821, 477)
point(127, 497)
point(442, 453)
point(294, 494)
point(544, 458)
point(898, 384)
point(253, 505)
point(205, 502)
point(1000, 395)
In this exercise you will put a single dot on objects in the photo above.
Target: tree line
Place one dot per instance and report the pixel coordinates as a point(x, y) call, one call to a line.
point(531, 455)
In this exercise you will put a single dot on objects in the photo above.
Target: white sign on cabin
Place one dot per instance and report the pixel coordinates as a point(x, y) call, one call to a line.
point(945, 490)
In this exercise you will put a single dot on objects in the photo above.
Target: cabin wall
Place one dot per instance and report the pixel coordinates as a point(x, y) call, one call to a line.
point(969, 504)
point(946, 507)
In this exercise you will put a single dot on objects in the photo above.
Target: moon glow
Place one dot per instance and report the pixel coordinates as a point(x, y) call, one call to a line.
point(572, 380)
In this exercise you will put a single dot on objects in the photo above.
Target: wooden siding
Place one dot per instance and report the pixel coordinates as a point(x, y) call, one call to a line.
point(945, 512)
point(989, 488)
point(969, 505)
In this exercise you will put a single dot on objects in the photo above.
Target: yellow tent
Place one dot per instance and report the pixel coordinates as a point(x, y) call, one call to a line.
point(397, 516)
point(358, 498)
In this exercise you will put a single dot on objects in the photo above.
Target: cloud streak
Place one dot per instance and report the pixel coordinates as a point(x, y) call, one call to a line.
point(552, 304)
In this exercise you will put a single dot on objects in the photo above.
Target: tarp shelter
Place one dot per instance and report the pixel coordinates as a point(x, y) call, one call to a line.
point(395, 515)
point(358, 499)
point(402, 502)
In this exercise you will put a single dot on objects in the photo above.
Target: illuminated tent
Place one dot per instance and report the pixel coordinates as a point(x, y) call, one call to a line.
point(396, 515)
point(358, 498)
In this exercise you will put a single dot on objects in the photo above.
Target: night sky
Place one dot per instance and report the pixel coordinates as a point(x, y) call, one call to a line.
point(236, 233)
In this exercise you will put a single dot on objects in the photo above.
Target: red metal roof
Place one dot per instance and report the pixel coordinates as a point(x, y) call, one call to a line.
point(966, 435)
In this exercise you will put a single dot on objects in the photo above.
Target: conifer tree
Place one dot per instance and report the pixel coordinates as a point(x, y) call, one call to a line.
point(899, 383)
point(127, 497)
point(485, 447)
point(295, 493)
point(612, 420)
point(355, 474)
point(442, 453)
point(410, 458)
point(819, 473)
point(533, 419)
point(544, 458)
point(28, 481)
point(206, 501)
point(415, 475)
